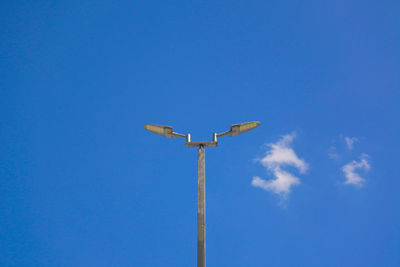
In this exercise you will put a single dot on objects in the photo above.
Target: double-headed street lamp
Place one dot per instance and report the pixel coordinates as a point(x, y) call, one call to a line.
point(201, 205)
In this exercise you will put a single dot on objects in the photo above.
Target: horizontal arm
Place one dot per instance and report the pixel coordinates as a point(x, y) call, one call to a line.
point(223, 134)
point(178, 135)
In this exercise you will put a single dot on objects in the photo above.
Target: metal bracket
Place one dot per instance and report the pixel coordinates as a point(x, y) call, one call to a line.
point(213, 143)
point(196, 144)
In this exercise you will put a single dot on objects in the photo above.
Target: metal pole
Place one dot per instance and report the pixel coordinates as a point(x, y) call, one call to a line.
point(201, 207)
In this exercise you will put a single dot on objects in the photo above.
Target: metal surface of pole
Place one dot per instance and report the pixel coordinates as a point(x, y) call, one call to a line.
point(201, 208)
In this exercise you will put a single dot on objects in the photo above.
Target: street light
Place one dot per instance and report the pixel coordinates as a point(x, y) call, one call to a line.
point(162, 130)
point(167, 131)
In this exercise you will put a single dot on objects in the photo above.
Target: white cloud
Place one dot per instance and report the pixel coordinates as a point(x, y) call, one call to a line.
point(350, 142)
point(333, 153)
point(349, 170)
point(280, 185)
point(278, 155)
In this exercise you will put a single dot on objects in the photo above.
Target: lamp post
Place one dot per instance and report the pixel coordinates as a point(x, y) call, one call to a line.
point(167, 131)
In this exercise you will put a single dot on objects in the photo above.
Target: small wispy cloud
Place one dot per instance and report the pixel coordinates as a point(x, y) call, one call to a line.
point(349, 170)
point(279, 155)
point(350, 142)
point(333, 154)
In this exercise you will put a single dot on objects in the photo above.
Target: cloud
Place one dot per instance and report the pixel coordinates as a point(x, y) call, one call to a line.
point(349, 170)
point(333, 153)
point(350, 142)
point(280, 155)
point(280, 185)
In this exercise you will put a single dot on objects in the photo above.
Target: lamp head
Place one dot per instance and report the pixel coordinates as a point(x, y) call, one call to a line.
point(243, 127)
point(160, 129)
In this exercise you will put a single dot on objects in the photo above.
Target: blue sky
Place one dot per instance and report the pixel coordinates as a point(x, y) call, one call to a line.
point(83, 184)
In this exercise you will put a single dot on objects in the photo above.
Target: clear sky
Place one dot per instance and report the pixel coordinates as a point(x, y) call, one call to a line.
point(83, 184)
